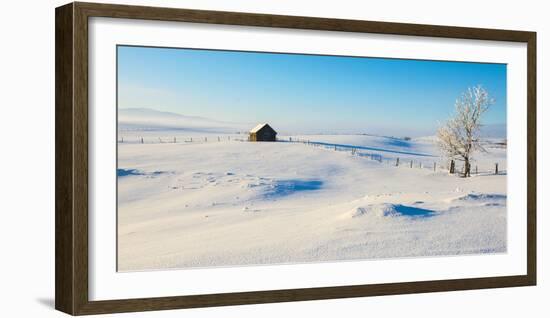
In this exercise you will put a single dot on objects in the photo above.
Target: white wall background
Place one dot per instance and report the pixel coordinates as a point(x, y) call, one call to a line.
point(27, 158)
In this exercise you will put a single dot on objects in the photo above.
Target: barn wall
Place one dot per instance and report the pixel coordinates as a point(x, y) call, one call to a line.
point(265, 134)
point(269, 133)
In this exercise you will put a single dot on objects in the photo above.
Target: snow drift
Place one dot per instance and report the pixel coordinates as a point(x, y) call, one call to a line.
point(390, 210)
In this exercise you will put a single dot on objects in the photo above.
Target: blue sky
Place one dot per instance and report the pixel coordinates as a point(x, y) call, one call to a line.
point(304, 93)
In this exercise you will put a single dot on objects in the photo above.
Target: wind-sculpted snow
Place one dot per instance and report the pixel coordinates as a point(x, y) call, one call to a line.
point(481, 197)
point(128, 172)
point(391, 210)
point(135, 172)
point(282, 188)
point(232, 203)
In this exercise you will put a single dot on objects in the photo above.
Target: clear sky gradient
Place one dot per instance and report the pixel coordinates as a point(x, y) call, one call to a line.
point(305, 93)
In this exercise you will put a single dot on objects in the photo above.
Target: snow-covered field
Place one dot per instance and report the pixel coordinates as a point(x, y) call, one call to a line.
point(229, 202)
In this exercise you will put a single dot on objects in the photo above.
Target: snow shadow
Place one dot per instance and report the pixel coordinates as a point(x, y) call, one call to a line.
point(135, 172)
point(492, 173)
point(383, 210)
point(406, 210)
point(128, 172)
point(326, 144)
point(282, 188)
point(481, 197)
point(396, 142)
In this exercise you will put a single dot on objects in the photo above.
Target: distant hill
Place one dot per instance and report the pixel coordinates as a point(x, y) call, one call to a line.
point(152, 120)
point(146, 119)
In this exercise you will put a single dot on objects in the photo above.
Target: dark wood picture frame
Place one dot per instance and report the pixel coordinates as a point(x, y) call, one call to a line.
point(71, 158)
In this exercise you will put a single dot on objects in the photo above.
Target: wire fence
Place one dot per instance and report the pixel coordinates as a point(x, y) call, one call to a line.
point(178, 139)
point(408, 160)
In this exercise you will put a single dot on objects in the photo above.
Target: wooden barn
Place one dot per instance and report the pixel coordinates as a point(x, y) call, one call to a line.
point(263, 132)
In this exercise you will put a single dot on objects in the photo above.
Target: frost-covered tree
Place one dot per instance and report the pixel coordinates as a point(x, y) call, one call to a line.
point(459, 137)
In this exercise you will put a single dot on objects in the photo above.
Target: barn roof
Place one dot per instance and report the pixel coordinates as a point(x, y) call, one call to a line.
point(258, 127)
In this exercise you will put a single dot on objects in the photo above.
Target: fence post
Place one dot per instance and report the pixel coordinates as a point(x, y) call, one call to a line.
point(476, 169)
point(218, 138)
point(205, 139)
point(174, 139)
point(141, 139)
point(122, 139)
point(397, 162)
point(452, 168)
point(496, 168)
point(434, 166)
point(411, 163)
point(420, 165)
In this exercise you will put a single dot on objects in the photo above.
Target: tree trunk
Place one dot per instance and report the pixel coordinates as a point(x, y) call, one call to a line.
point(466, 167)
point(451, 168)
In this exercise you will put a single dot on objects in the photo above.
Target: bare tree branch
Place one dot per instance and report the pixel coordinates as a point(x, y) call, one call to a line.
point(459, 138)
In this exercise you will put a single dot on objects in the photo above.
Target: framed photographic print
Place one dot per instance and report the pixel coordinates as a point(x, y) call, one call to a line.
point(210, 158)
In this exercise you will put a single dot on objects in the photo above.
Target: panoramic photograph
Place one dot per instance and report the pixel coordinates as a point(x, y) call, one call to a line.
point(235, 158)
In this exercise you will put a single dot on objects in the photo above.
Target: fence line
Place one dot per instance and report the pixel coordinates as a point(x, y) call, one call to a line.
point(178, 140)
point(400, 161)
point(397, 162)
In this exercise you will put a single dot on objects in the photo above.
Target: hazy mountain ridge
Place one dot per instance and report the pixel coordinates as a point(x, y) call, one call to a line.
point(147, 119)
point(150, 119)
